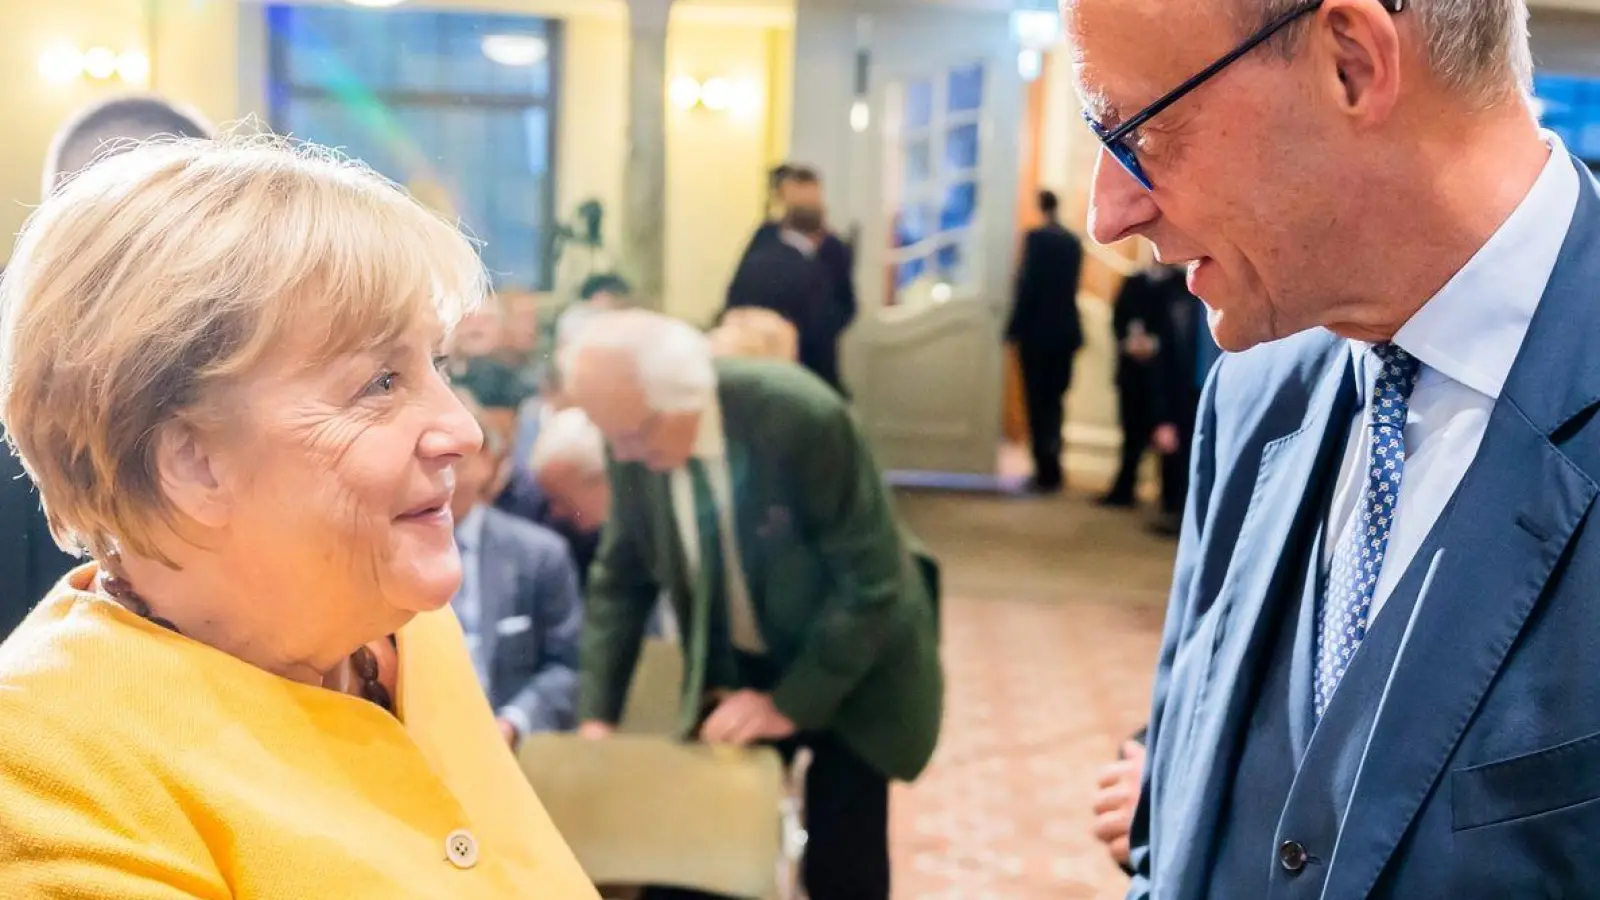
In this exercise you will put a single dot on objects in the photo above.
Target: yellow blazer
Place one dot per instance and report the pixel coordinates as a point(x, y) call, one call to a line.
point(138, 764)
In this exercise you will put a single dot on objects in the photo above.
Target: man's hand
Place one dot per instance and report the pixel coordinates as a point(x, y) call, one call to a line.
point(1165, 437)
point(1140, 346)
point(744, 717)
point(595, 730)
point(1115, 799)
point(509, 732)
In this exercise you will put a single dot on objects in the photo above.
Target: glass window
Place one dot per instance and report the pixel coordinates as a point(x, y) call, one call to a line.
point(1569, 105)
point(935, 152)
point(457, 106)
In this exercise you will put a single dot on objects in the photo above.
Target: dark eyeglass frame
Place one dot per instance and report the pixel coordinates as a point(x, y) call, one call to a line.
point(1115, 139)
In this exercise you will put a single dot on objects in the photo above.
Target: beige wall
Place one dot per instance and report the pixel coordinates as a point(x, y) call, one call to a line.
point(192, 58)
point(716, 166)
point(592, 118)
point(211, 55)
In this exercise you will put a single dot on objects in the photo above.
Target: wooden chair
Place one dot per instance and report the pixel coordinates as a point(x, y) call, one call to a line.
point(653, 697)
point(644, 809)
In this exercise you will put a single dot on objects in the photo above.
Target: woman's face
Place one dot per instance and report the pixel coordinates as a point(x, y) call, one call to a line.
point(340, 480)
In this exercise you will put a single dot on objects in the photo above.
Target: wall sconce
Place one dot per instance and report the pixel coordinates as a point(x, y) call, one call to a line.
point(718, 95)
point(61, 65)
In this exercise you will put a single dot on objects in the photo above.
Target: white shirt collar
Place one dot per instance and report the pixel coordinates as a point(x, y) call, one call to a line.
point(807, 246)
point(469, 531)
point(1471, 331)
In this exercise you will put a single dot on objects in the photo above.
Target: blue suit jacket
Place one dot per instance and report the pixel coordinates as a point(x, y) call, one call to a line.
point(1481, 774)
point(532, 618)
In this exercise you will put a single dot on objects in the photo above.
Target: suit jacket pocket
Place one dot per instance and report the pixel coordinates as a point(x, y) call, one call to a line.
point(1540, 782)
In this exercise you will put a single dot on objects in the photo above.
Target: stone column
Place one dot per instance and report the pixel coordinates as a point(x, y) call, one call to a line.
point(644, 188)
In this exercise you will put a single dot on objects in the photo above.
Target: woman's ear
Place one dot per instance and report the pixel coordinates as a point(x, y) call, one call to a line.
point(189, 475)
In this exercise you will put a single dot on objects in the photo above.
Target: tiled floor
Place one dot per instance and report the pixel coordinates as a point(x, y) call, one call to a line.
point(1052, 620)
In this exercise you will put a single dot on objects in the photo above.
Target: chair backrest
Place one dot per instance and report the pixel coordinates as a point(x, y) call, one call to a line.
point(651, 810)
point(654, 697)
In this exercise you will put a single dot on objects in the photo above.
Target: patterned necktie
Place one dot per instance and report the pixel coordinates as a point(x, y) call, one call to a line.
point(1358, 557)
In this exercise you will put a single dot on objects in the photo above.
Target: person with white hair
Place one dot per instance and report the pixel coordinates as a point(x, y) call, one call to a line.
point(1377, 674)
point(746, 490)
point(30, 561)
point(568, 467)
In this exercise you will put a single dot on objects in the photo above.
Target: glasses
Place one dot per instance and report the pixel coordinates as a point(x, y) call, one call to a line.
point(1115, 139)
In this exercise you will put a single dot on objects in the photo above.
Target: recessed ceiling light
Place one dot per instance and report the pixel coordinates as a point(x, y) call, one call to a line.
point(515, 49)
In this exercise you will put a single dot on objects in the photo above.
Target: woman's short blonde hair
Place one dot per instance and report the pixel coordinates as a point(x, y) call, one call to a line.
point(167, 272)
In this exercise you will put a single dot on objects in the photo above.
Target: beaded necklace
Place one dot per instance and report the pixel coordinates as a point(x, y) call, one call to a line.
point(363, 662)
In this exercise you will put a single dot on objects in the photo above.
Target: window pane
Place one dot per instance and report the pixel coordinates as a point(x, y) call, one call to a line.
point(453, 104)
point(412, 50)
point(960, 206)
point(918, 162)
point(966, 88)
point(961, 148)
point(919, 104)
point(1570, 106)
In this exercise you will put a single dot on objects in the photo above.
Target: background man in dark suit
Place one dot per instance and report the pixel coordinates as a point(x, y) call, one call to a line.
point(1377, 671)
point(798, 268)
point(744, 488)
point(1047, 332)
point(30, 561)
point(1134, 331)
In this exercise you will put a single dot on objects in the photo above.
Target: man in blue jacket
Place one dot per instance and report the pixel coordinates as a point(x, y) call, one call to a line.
point(1378, 669)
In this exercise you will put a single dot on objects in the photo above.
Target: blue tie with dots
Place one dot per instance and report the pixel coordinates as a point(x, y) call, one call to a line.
point(1358, 557)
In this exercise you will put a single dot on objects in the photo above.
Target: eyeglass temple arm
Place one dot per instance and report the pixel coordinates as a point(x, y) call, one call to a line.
point(1209, 72)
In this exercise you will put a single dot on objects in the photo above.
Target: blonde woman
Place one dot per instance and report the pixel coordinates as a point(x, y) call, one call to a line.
point(218, 361)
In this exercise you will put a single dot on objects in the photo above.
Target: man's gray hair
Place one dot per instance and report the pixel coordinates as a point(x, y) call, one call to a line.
point(568, 436)
point(101, 128)
point(673, 357)
point(1477, 47)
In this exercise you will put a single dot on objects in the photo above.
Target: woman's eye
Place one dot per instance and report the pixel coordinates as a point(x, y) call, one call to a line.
point(383, 384)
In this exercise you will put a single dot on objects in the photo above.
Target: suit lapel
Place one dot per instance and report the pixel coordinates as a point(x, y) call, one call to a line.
point(747, 502)
point(1520, 504)
point(1495, 560)
point(1245, 614)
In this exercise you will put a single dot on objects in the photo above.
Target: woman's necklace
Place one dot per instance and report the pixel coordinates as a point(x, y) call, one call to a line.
point(362, 662)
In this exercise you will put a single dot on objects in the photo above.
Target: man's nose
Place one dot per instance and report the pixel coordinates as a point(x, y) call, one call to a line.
point(1119, 206)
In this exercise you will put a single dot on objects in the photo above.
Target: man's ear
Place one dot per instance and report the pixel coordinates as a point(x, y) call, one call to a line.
point(1358, 42)
point(189, 476)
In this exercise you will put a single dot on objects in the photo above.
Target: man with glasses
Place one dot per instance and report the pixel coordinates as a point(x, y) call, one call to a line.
point(1379, 669)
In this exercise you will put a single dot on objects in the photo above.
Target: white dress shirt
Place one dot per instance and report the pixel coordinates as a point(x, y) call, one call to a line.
point(710, 447)
point(1466, 337)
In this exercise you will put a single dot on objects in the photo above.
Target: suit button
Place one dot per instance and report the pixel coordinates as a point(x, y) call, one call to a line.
point(461, 849)
point(1292, 856)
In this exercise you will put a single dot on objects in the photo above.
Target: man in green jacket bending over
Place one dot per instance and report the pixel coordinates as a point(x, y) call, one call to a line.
point(746, 491)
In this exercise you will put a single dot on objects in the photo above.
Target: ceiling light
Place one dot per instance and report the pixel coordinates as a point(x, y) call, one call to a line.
point(518, 50)
point(375, 4)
